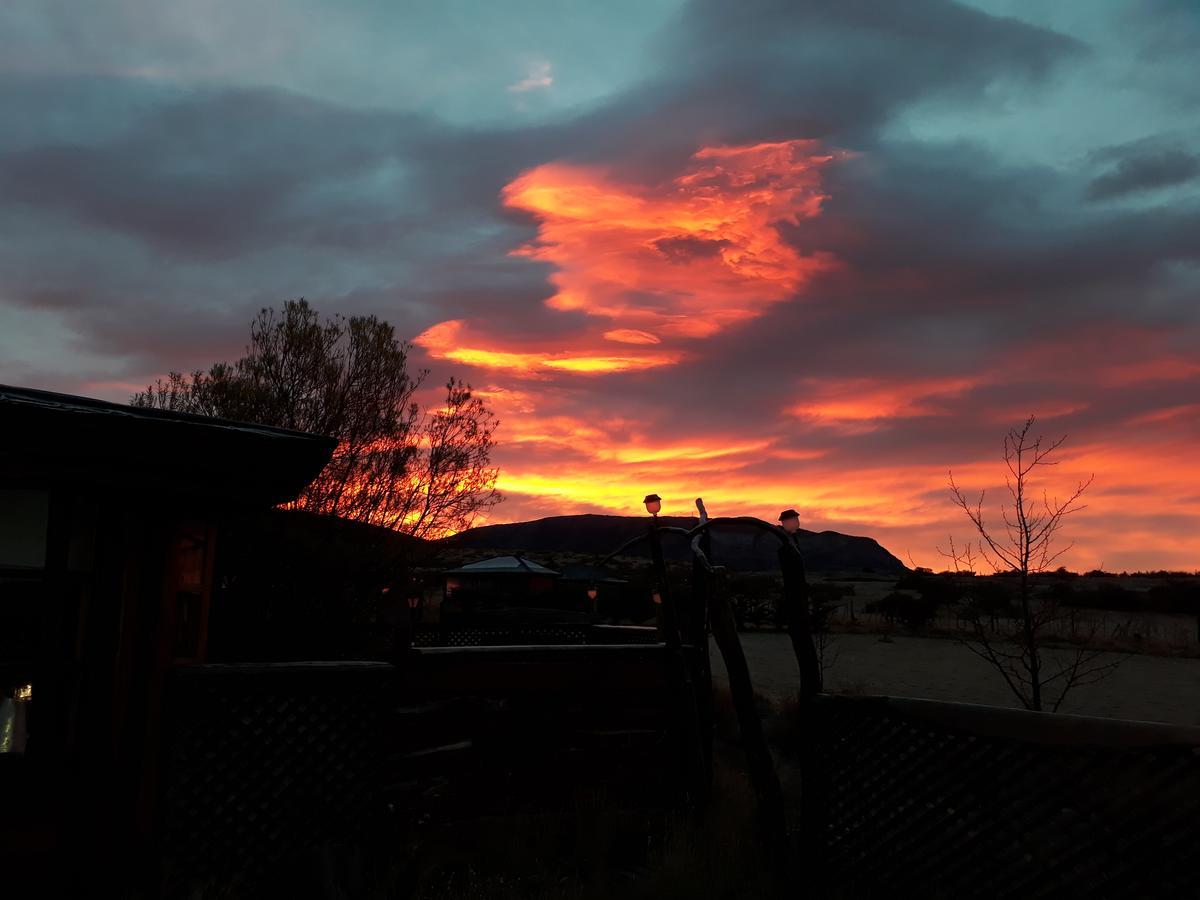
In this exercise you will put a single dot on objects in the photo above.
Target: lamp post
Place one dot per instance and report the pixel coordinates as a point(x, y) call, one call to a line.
point(661, 595)
point(592, 593)
point(796, 606)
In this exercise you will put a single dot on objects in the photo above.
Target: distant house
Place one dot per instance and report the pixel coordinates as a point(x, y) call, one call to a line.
point(502, 581)
point(513, 586)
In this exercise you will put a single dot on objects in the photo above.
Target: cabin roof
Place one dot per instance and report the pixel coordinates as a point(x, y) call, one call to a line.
point(594, 574)
point(502, 565)
point(55, 439)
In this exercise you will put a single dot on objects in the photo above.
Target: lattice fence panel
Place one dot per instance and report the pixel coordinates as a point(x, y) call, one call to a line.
point(269, 765)
point(908, 806)
point(262, 765)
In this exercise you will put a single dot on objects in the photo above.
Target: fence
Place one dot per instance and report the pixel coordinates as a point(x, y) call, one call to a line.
point(921, 798)
point(270, 763)
point(529, 634)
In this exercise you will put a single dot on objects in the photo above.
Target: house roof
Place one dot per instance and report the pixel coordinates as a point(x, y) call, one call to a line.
point(502, 565)
point(594, 574)
point(54, 438)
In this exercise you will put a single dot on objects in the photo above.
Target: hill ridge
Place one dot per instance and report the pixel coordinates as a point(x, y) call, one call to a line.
point(744, 549)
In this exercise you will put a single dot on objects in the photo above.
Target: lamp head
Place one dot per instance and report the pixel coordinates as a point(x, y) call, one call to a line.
point(653, 504)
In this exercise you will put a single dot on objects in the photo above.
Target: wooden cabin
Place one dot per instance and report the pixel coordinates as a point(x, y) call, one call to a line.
point(109, 519)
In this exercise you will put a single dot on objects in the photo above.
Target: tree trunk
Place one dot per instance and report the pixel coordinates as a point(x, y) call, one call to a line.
point(1035, 664)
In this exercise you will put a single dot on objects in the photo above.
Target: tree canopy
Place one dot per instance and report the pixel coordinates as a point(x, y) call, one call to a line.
point(425, 472)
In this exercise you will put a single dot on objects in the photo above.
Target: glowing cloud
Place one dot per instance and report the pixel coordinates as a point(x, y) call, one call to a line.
point(631, 336)
point(860, 404)
point(445, 341)
point(685, 258)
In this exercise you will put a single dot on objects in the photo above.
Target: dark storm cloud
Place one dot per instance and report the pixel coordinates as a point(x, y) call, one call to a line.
point(1141, 168)
point(778, 69)
point(211, 174)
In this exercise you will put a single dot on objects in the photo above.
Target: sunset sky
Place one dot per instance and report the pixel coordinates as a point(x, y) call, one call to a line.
point(773, 253)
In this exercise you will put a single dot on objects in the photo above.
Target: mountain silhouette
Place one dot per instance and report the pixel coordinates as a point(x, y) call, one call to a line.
point(739, 548)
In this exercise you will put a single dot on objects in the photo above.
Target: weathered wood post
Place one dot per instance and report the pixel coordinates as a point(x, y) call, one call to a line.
point(670, 615)
point(798, 618)
point(693, 759)
point(759, 765)
point(696, 635)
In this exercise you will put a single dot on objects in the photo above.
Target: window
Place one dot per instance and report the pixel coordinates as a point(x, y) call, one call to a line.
point(23, 517)
point(193, 573)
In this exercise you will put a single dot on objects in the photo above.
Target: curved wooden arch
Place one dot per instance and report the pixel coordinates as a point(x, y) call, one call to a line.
point(645, 536)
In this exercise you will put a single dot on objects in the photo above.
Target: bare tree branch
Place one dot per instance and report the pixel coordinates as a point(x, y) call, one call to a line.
point(1026, 545)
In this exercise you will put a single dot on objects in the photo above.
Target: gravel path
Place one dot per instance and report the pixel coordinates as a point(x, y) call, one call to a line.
point(1148, 688)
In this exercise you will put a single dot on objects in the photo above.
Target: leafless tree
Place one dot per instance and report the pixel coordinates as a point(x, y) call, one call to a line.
point(1026, 545)
point(423, 472)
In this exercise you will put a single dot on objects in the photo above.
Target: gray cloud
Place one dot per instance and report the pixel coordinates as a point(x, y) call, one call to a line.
point(1142, 168)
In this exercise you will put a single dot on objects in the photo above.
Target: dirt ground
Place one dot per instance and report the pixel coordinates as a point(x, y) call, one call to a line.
point(1146, 688)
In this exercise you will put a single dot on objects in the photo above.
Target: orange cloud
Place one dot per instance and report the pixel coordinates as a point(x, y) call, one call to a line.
point(685, 258)
point(860, 404)
point(678, 260)
point(445, 341)
point(631, 336)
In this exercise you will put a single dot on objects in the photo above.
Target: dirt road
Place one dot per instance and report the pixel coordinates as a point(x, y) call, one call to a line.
point(1148, 688)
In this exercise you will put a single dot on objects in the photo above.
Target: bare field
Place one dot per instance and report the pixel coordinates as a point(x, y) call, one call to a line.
point(1147, 688)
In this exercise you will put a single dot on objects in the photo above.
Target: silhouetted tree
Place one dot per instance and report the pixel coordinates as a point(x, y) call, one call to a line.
point(1027, 544)
point(424, 473)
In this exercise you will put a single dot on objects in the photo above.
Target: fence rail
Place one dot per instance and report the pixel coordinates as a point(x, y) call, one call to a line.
point(529, 634)
point(922, 798)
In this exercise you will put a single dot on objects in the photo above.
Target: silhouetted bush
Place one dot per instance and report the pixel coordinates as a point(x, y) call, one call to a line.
point(293, 585)
point(754, 598)
point(991, 598)
point(1174, 597)
point(898, 606)
point(1109, 597)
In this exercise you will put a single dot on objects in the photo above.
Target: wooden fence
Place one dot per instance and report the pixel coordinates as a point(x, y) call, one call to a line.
point(270, 763)
point(931, 799)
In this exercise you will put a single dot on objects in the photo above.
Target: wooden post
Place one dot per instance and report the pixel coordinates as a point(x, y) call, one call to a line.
point(693, 759)
point(772, 818)
point(799, 625)
point(670, 616)
point(697, 636)
point(799, 620)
